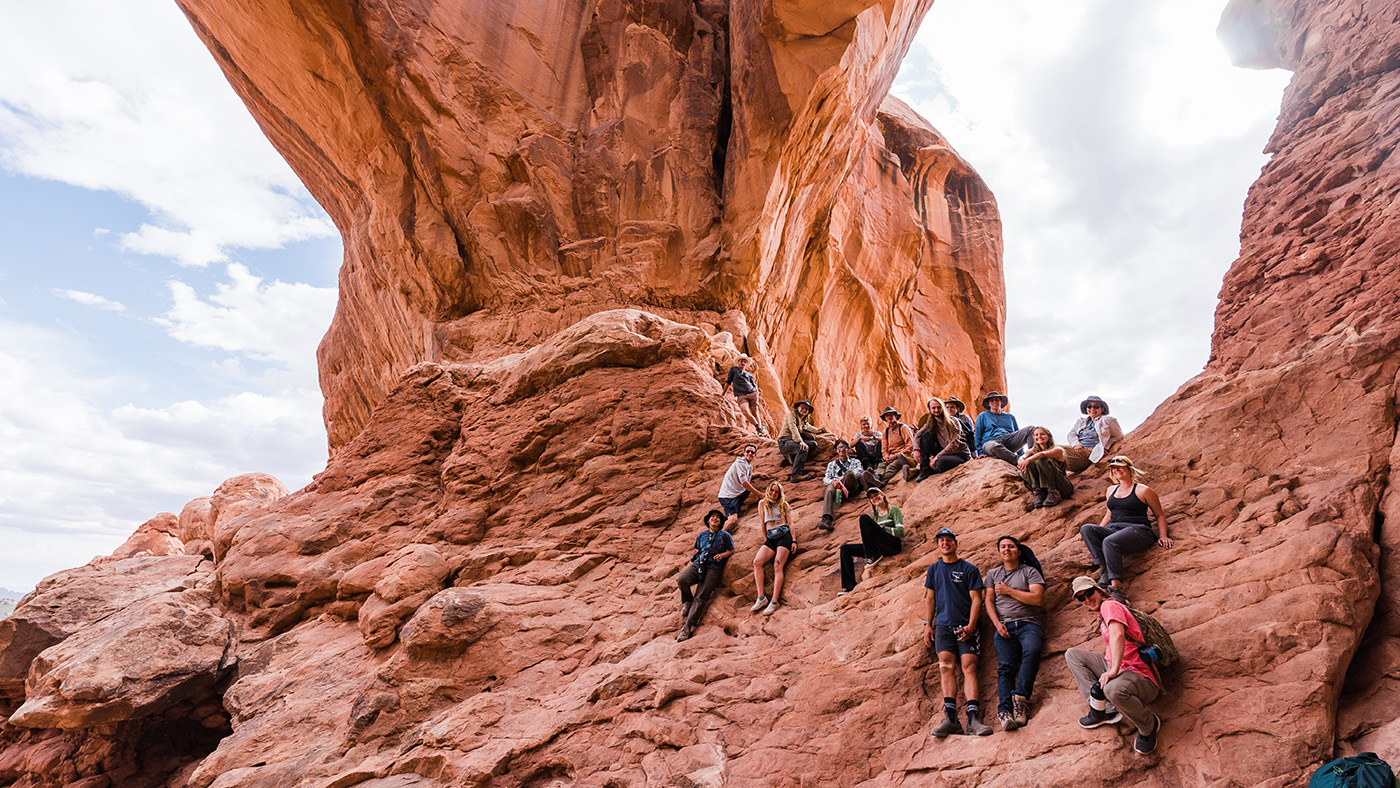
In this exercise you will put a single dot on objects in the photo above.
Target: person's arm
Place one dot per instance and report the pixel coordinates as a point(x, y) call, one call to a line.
point(1149, 497)
point(1110, 433)
point(1035, 596)
point(930, 607)
point(972, 614)
point(1072, 439)
point(1117, 638)
point(979, 430)
point(896, 528)
point(1107, 512)
point(990, 600)
point(833, 472)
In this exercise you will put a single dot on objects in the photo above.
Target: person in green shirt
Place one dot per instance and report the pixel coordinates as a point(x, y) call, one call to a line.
point(881, 534)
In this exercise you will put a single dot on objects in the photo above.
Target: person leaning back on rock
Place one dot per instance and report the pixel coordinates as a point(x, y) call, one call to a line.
point(713, 547)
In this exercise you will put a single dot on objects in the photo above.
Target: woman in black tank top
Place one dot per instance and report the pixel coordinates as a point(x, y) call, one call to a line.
point(1126, 527)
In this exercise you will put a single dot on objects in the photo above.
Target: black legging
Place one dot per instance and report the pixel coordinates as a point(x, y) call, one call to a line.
point(928, 447)
point(874, 542)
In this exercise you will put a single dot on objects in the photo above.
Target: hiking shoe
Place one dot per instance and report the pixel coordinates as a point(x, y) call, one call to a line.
point(1052, 497)
point(975, 727)
point(948, 726)
point(771, 609)
point(1021, 710)
point(1008, 722)
point(908, 474)
point(921, 476)
point(760, 604)
point(1148, 743)
point(684, 635)
point(1039, 498)
point(1097, 718)
point(869, 562)
point(825, 524)
point(1114, 592)
point(762, 430)
point(799, 477)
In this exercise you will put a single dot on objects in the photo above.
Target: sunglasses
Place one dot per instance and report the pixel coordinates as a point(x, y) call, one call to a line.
point(748, 452)
point(1083, 595)
point(1093, 407)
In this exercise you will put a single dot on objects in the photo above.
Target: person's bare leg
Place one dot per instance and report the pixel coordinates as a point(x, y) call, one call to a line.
point(779, 572)
point(760, 561)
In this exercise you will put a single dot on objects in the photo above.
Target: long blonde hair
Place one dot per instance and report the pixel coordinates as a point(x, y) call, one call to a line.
point(951, 429)
point(781, 503)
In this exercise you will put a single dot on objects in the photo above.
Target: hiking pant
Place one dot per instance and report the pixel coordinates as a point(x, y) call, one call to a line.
point(1129, 691)
point(1109, 543)
point(1018, 660)
point(869, 456)
point(1076, 458)
point(797, 453)
point(1046, 474)
point(875, 542)
point(886, 471)
point(853, 484)
point(690, 576)
point(1004, 447)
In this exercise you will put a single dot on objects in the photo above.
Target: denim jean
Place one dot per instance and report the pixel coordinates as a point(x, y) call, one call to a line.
point(1018, 660)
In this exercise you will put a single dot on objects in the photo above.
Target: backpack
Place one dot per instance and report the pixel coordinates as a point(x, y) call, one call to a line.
point(1156, 646)
point(1028, 558)
point(1359, 771)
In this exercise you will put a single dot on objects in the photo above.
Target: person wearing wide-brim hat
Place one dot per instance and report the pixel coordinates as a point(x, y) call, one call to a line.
point(958, 410)
point(713, 547)
point(897, 450)
point(1092, 437)
point(796, 440)
point(998, 434)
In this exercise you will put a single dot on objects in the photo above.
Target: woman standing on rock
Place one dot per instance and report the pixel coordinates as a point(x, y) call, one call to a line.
point(778, 545)
point(745, 391)
point(1043, 468)
point(1126, 528)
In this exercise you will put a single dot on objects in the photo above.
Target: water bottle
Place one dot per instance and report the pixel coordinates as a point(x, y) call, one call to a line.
point(1149, 654)
point(1097, 700)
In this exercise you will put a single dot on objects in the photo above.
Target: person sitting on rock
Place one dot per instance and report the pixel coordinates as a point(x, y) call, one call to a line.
point(842, 480)
point(866, 444)
point(778, 545)
point(1092, 437)
point(952, 602)
point(881, 534)
point(898, 452)
point(1118, 683)
point(958, 410)
point(940, 440)
point(796, 439)
point(1126, 527)
point(737, 484)
point(998, 435)
point(1015, 606)
point(745, 391)
point(713, 547)
point(1043, 468)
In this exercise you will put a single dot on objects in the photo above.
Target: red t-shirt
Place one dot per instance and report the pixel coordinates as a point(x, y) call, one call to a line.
point(1113, 610)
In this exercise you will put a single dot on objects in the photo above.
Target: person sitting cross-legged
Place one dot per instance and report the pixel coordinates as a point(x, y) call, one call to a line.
point(881, 534)
point(843, 479)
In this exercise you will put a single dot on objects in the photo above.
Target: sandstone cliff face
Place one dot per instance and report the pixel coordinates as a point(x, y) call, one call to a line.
point(479, 588)
point(501, 170)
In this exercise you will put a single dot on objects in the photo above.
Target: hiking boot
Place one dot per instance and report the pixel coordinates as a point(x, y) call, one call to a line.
point(1097, 718)
point(1148, 743)
point(1114, 592)
point(921, 476)
point(684, 635)
point(1039, 498)
point(1021, 710)
point(1008, 722)
point(799, 477)
point(760, 604)
point(908, 474)
point(1052, 497)
point(844, 591)
point(975, 726)
point(948, 726)
point(825, 524)
point(771, 609)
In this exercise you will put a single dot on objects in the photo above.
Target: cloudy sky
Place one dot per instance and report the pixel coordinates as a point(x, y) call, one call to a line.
point(164, 278)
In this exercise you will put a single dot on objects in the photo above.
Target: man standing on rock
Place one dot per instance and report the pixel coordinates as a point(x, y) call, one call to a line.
point(795, 439)
point(712, 550)
point(842, 480)
point(898, 451)
point(737, 484)
point(952, 602)
point(1015, 606)
point(1122, 683)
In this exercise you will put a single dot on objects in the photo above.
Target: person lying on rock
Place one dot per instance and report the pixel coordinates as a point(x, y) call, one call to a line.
point(939, 438)
point(842, 480)
point(952, 602)
point(958, 410)
point(898, 452)
point(737, 484)
point(778, 545)
point(713, 547)
point(866, 444)
point(1015, 606)
point(1043, 468)
point(998, 435)
point(881, 534)
point(1126, 527)
point(745, 391)
point(1118, 683)
point(1091, 438)
point(797, 439)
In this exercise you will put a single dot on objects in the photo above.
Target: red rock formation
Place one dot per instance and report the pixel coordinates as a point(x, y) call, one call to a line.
point(479, 589)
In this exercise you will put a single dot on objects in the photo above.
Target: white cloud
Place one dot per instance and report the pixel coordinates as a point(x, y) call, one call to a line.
point(91, 299)
point(123, 97)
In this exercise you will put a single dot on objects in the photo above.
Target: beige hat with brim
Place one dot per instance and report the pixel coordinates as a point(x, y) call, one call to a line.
point(1084, 583)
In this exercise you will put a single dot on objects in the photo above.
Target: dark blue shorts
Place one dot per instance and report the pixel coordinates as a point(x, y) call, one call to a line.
point(946, 639)
point(734, 507)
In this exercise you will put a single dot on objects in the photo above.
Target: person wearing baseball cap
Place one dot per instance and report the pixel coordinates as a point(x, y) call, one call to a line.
point(1092, 437)
point(952, 602)
point(881, 534)
point(1119, 683)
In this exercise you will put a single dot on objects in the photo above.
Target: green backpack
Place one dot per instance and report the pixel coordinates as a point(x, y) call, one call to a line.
point(1156, 646)
point(1359, 771)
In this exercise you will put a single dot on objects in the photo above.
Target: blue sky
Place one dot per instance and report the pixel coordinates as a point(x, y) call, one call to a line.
point(164, 278)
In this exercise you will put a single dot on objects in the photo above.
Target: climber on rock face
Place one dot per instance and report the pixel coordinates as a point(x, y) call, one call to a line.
point(737, 484)
point(745, 391)
point(952, 602)
point(842, 480)
point(706, 570)
point(1119, 683)
point(1091, 438)
point(796, 438)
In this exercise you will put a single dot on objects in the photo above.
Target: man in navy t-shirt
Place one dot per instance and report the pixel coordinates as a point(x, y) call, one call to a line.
point(951, 607)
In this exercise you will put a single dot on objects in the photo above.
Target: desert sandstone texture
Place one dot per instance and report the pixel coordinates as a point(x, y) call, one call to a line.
point(562, 222)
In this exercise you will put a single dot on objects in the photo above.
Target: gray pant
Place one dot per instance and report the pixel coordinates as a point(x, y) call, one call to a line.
point(1004, 447)
point(797, 453)
point(1129, 692)
point(1108, 544)
point(886, 471)
point(699, 601)
point(853, 483)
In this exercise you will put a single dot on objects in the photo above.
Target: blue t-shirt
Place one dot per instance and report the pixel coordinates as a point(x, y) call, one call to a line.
point(993, 425)
point(702, 541)
point(952, 586)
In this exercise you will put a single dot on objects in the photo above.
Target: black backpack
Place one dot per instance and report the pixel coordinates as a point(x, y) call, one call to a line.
point(1028, 558)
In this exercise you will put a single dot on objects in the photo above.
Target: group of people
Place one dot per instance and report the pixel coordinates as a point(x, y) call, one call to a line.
point(1117, 684)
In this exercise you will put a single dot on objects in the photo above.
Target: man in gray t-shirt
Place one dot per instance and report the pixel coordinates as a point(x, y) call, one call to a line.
point(1015, 606)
